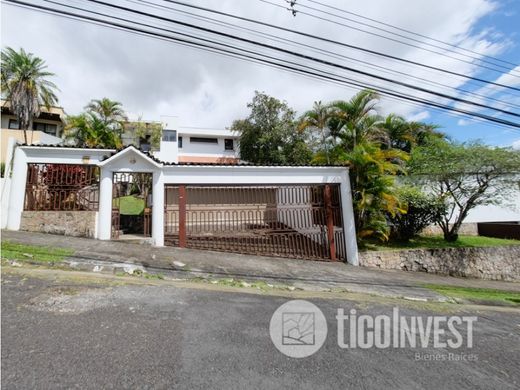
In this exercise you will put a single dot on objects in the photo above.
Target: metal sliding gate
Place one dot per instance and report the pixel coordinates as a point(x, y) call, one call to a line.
point(301, 221)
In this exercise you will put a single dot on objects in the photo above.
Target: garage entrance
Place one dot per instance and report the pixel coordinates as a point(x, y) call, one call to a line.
point(300, 221)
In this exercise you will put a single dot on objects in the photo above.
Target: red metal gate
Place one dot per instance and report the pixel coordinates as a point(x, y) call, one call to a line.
point(300, 221)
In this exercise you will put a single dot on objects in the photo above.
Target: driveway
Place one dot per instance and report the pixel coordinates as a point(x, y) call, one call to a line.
point(62, 333)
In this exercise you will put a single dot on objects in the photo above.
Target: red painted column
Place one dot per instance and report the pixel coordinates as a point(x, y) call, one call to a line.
point(330, 222)
point(182, 216)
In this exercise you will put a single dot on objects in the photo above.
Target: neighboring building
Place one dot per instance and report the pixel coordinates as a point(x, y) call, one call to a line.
point(47, 128)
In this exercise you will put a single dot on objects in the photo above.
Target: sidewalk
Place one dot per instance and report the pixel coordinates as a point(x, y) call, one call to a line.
point(308, 275)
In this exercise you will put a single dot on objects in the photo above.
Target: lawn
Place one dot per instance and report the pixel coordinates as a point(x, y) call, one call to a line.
point(439, 242)
point(477, 295)
point(12, 251)
point(129, 205)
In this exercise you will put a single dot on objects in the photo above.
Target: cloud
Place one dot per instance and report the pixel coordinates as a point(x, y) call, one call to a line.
point(516, 144)
point(419, 117)
point(153, 78)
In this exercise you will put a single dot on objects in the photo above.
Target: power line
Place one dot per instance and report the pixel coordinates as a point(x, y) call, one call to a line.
point(206, 47)
point(354, 47)
point(305, 56)
point(412, 32)
point(316, 49)
point(503, 68)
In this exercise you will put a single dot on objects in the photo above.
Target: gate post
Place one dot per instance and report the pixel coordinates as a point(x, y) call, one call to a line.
point(182, 216)
point(330, 221)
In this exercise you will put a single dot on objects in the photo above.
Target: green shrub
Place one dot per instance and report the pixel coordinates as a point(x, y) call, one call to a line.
point(2, 169)
point(422, 210)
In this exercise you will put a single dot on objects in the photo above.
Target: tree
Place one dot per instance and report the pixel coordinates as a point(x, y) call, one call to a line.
point(25, 86)
point(101, 125)
point(404, 135)
point(464, 176)
point(318, 118)
point(421, 211)
point(269, 135)
point(358, 120)
point(110, 112)
point(372, 176)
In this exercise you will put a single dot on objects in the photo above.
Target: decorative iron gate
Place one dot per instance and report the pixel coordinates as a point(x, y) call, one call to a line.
point(301, 221)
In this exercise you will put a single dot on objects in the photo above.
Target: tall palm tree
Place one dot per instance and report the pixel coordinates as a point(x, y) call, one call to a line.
point(25, 85)
point(318, 118)
point(110, 112)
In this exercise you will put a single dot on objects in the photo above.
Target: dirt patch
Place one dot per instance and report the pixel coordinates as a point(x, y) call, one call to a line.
point(71, 300)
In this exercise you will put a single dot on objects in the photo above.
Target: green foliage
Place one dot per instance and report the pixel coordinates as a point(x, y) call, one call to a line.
point(372, 176)
point(101, 125)
point(268, 135)
point(140, 129)
point(25, 85)
point(433, 242)
point(13, 251)
point(2, 169)
point(129, 205)
point(464, 176)
point(421, 211)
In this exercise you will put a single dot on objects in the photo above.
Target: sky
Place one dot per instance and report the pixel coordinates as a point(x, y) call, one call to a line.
point(155, 79)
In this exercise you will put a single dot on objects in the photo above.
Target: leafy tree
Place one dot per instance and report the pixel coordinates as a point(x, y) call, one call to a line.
point(269, 135)
point(403, 135)
point(421, 211)
point(25, 85)
point(464, 176)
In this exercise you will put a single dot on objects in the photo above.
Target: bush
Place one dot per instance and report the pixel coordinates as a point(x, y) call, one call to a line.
point(2, 169)
point(422, 210)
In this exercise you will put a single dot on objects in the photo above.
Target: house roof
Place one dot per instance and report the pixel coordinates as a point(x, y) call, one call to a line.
point(114, 153)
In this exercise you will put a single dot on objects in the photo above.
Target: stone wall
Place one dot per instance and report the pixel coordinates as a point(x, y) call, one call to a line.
point(493, 263)
point(68, 223)
point(466, 229)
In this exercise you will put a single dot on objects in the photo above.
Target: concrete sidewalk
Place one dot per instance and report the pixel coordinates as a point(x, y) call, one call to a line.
point(308, 275)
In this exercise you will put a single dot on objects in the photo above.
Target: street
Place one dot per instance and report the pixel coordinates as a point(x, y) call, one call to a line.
point(72, 333)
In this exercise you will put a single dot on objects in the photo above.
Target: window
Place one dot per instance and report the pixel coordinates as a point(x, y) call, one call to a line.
point(45, 127)
point(13, 124)
point(180, 142)
point(228, 144)
point(169, 135)
point(204, 140)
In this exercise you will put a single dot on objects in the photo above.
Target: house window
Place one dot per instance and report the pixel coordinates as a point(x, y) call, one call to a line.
point(169, 135)
point(204, 140)
point(13, 124)
point(45, 127)
point(180, 142)
point(228, 144)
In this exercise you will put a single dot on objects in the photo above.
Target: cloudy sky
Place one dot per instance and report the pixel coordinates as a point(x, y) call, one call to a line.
point(154, 78)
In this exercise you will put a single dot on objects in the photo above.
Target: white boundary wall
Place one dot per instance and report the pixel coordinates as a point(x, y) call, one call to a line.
point(132, 160)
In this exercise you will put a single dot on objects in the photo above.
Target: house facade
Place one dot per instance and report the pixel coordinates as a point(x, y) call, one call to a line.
point(46, 129)
point(290, 211)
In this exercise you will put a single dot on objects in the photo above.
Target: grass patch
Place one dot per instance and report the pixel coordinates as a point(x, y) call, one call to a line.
point(477, 295)
point(43, 254)
point(432, 242)
point(129, 205)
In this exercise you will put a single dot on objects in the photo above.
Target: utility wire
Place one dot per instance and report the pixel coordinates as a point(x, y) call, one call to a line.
point(306, 57)
point(411, 32)
point(354, 47)
point(294, 43)
point(165, 37)
point(503, 68)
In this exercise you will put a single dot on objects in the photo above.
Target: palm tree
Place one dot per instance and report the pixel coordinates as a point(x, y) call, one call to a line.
point(358, 119)
point(88, 130)
point(110, 112)
point(25, 85)
point(405, 135)
point(318, 118)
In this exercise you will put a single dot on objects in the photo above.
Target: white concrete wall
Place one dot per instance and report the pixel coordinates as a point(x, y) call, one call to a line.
point(198, 149)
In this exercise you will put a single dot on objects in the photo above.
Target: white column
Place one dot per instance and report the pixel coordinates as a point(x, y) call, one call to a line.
point(158, 208)
point(104, 227)
point(6, 181)
point(349, 225)
point(17, 193)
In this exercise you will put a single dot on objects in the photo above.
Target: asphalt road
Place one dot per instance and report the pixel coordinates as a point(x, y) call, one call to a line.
point(64, 334)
